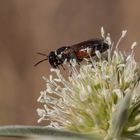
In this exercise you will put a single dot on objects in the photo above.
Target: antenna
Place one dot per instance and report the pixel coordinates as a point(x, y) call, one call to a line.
point(42, 59)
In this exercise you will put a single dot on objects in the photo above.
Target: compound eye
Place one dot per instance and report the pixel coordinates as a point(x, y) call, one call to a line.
point(52, 61)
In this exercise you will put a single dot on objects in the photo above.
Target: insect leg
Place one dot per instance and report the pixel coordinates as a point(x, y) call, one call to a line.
point(63, 67)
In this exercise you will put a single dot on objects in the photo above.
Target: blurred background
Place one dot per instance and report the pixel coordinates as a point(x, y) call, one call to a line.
point(30, 26)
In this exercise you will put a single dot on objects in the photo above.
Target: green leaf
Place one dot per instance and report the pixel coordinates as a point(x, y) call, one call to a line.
point(120, 116)
point(38, 131)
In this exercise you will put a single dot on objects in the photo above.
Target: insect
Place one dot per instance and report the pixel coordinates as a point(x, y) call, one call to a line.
point(77, 51)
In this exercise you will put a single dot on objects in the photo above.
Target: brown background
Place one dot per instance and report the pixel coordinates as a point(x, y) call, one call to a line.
point(30, 26)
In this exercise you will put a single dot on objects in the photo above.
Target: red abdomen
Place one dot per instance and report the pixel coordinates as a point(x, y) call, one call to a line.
point(82, 54)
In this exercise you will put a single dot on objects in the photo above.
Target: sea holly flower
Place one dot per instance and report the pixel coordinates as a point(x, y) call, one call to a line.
point(100, 98)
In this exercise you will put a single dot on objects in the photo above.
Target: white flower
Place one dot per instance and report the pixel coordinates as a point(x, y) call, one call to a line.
point(102, 97)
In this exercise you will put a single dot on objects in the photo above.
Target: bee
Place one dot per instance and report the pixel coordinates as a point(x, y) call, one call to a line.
point(77, 51)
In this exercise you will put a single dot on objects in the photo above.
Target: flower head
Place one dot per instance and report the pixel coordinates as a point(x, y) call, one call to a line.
point(101, 97)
